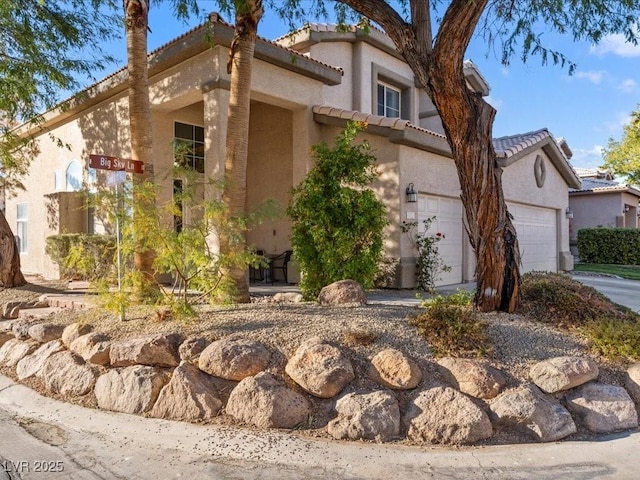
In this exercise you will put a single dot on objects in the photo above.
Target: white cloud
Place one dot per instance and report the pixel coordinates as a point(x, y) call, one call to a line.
point(616, 45)
point(628, 85)
point(587, 158)
point(593, 77)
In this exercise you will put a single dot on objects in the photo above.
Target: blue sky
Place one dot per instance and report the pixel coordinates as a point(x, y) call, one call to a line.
point(586, 108)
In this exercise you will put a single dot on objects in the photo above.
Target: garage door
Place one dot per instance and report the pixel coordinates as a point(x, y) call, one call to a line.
point(448, 221)
point(538, 237)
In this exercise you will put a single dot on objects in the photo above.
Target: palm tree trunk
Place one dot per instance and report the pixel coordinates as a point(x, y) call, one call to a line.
point(248, 14)
point(136, 19)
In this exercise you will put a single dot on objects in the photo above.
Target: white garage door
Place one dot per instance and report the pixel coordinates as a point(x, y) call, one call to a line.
point(538, 237)
point(448, 221)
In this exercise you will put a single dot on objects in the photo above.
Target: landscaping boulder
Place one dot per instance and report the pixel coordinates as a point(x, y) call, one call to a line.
point(473, 377)
point(234, 359)
point(20, 329)
point(94, 347)
point(633, 381)
point(444, 415)
point(562, 373)
point(393, 369)
point(602, 408)
point(265, 402)
point(73, 331)
point(15, 350)
point(191, 349)
point(344, 292)
point(45, 332)
point(132, 389)
point(527, 409)
point(32, 364)
point(155, 350)
point(366, 416)
point(287, 297)
point(320, 368)
point(189, 396)
point(67, 373)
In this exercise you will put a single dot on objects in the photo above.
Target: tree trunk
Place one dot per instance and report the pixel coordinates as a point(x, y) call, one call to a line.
point(136, 19)
point(10, 274)
point(468, 124)
point(248, 14)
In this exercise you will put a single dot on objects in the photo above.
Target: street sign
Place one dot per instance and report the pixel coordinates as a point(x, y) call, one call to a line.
point(105, 162)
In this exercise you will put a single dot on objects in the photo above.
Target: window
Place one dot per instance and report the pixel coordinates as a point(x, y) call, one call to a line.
point(189, 146)
point(21, 228)
point(388, 101)
point(74, 176)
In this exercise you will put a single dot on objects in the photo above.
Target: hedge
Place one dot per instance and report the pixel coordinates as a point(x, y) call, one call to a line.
point(619, 246)
point(81, 256)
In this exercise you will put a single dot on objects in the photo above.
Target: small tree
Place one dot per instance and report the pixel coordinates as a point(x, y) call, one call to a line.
point(623, 157)
point(337, 221)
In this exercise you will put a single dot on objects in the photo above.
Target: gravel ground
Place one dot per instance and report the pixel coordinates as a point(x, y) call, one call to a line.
point(517, 341)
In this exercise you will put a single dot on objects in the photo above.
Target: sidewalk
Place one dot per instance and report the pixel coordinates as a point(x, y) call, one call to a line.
point(95, 444)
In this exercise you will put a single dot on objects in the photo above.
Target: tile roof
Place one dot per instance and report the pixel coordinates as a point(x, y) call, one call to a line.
point(597, 185)
point(370, 119)
point(510, 145)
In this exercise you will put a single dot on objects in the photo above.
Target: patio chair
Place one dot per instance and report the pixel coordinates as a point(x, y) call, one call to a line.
point(256, 274)
point(280, 262)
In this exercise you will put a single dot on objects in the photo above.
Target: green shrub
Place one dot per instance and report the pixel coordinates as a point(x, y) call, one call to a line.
point(612, 330)
point(558, 299)
point(618, 246)
point(614, 339)
point(338, 221)
point(452, 327)
point(81, 256)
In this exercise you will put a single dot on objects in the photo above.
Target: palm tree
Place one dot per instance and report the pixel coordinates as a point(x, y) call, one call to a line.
point(248, 15)
point(137, 24)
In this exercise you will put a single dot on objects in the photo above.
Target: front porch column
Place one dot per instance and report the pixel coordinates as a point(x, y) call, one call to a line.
point(216, 105)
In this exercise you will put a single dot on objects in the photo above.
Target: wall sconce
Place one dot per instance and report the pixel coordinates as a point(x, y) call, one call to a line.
point(626, 208)
point(569, 213)
point(412, 195)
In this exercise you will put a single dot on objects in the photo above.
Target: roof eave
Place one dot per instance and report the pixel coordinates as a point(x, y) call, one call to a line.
point(550, 147)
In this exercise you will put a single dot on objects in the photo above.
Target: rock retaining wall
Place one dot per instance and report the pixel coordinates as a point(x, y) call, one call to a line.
point(167, 376)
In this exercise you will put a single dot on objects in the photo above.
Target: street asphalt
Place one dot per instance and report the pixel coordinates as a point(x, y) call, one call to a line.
point(42, 438)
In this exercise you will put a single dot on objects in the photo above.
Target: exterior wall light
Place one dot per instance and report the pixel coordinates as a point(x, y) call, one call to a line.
point(412, 195)
point(569, 213)
point(626, 208)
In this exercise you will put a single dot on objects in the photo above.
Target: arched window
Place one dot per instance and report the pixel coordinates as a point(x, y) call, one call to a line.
point(74, 176)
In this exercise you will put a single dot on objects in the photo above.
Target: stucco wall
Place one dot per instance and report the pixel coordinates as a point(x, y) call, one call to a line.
point(270, 173)
point(594, 210)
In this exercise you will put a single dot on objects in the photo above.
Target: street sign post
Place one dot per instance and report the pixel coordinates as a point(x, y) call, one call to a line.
point(116, 165)
point(106, 162)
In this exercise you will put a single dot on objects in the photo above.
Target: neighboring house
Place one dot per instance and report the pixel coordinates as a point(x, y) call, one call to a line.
point(601, 202)
point(305, 88)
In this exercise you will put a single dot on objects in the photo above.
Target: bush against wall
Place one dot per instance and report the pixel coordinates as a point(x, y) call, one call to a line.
point(620, 246)
point(338, 221)
point(81, 256)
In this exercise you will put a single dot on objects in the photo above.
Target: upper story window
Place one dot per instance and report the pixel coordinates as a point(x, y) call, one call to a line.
point(189, 146)
point(389, 103)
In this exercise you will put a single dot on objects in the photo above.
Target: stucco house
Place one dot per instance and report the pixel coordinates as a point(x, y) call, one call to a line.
point(601, 201)
point(305, 88)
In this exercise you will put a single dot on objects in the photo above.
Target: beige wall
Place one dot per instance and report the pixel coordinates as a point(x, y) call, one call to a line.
point(270, 173)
